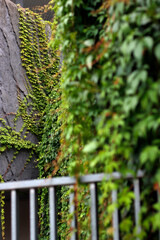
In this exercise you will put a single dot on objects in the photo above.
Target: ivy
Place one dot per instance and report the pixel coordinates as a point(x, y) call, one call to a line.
point(41, 65)
point(110, 102)
point(101, 114)
point(43, 74)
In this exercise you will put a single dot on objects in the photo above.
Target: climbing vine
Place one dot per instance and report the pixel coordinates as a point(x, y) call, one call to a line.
point(41, 65)
point(102, 114)
point(42, 69)
point(110, 103)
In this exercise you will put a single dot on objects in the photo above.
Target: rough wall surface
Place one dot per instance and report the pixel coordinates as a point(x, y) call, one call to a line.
point(12, 82)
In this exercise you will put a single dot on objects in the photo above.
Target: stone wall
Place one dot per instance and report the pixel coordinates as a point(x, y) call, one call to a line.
point(12, 83)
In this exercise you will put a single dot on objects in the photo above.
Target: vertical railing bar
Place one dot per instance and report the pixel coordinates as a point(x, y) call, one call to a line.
point(72, 211)
point(14, 215)
point(94, 211)
point(52, 213)
point(33, 214)
point(115, 216)
point(137, 204)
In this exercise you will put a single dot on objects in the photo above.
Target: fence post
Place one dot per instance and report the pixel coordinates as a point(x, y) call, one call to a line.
point(94, 211)
point(33, 214)
point(115, 217)
point(52, 213)
point(14, 215)
point(137, 204)
point(72, 211)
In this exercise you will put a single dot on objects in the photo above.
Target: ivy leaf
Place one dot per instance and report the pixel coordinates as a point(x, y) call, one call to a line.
point(89, 61)
point(138, 52)
point(69, 3)
point(150, 153)
point(148, 42)
point(90, 147)
point(130, 103)
point(157, 52)
point(2, 149)
point(89, 42)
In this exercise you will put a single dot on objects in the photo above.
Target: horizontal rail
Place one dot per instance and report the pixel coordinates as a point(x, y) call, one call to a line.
point(66, 181)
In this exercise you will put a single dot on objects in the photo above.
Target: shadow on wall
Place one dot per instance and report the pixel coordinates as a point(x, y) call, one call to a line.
point(23, 220)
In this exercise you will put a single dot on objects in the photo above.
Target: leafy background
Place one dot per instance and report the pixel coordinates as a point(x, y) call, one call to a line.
point(110, 103)
point(99, 111)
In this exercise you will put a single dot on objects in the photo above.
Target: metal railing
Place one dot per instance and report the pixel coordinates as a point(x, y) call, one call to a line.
point(52, 183)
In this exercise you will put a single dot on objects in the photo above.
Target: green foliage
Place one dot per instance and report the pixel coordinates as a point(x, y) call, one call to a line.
point(102, 115)
point(36, 59)
point(36, 109)
point(110, 100)
point(42, 69)
point(48, 154)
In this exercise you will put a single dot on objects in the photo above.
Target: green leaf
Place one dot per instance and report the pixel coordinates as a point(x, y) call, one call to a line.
point(148, 42)
point(2, 149)
point(89, 42)
point(90, 147)
point(89, 61)
point(138, 52)
point(150, 153)
point(157, 52)
point(130, 103)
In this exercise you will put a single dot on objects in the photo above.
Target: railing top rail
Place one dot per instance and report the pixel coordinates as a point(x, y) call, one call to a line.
point(92, 178)
point(66, 181)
